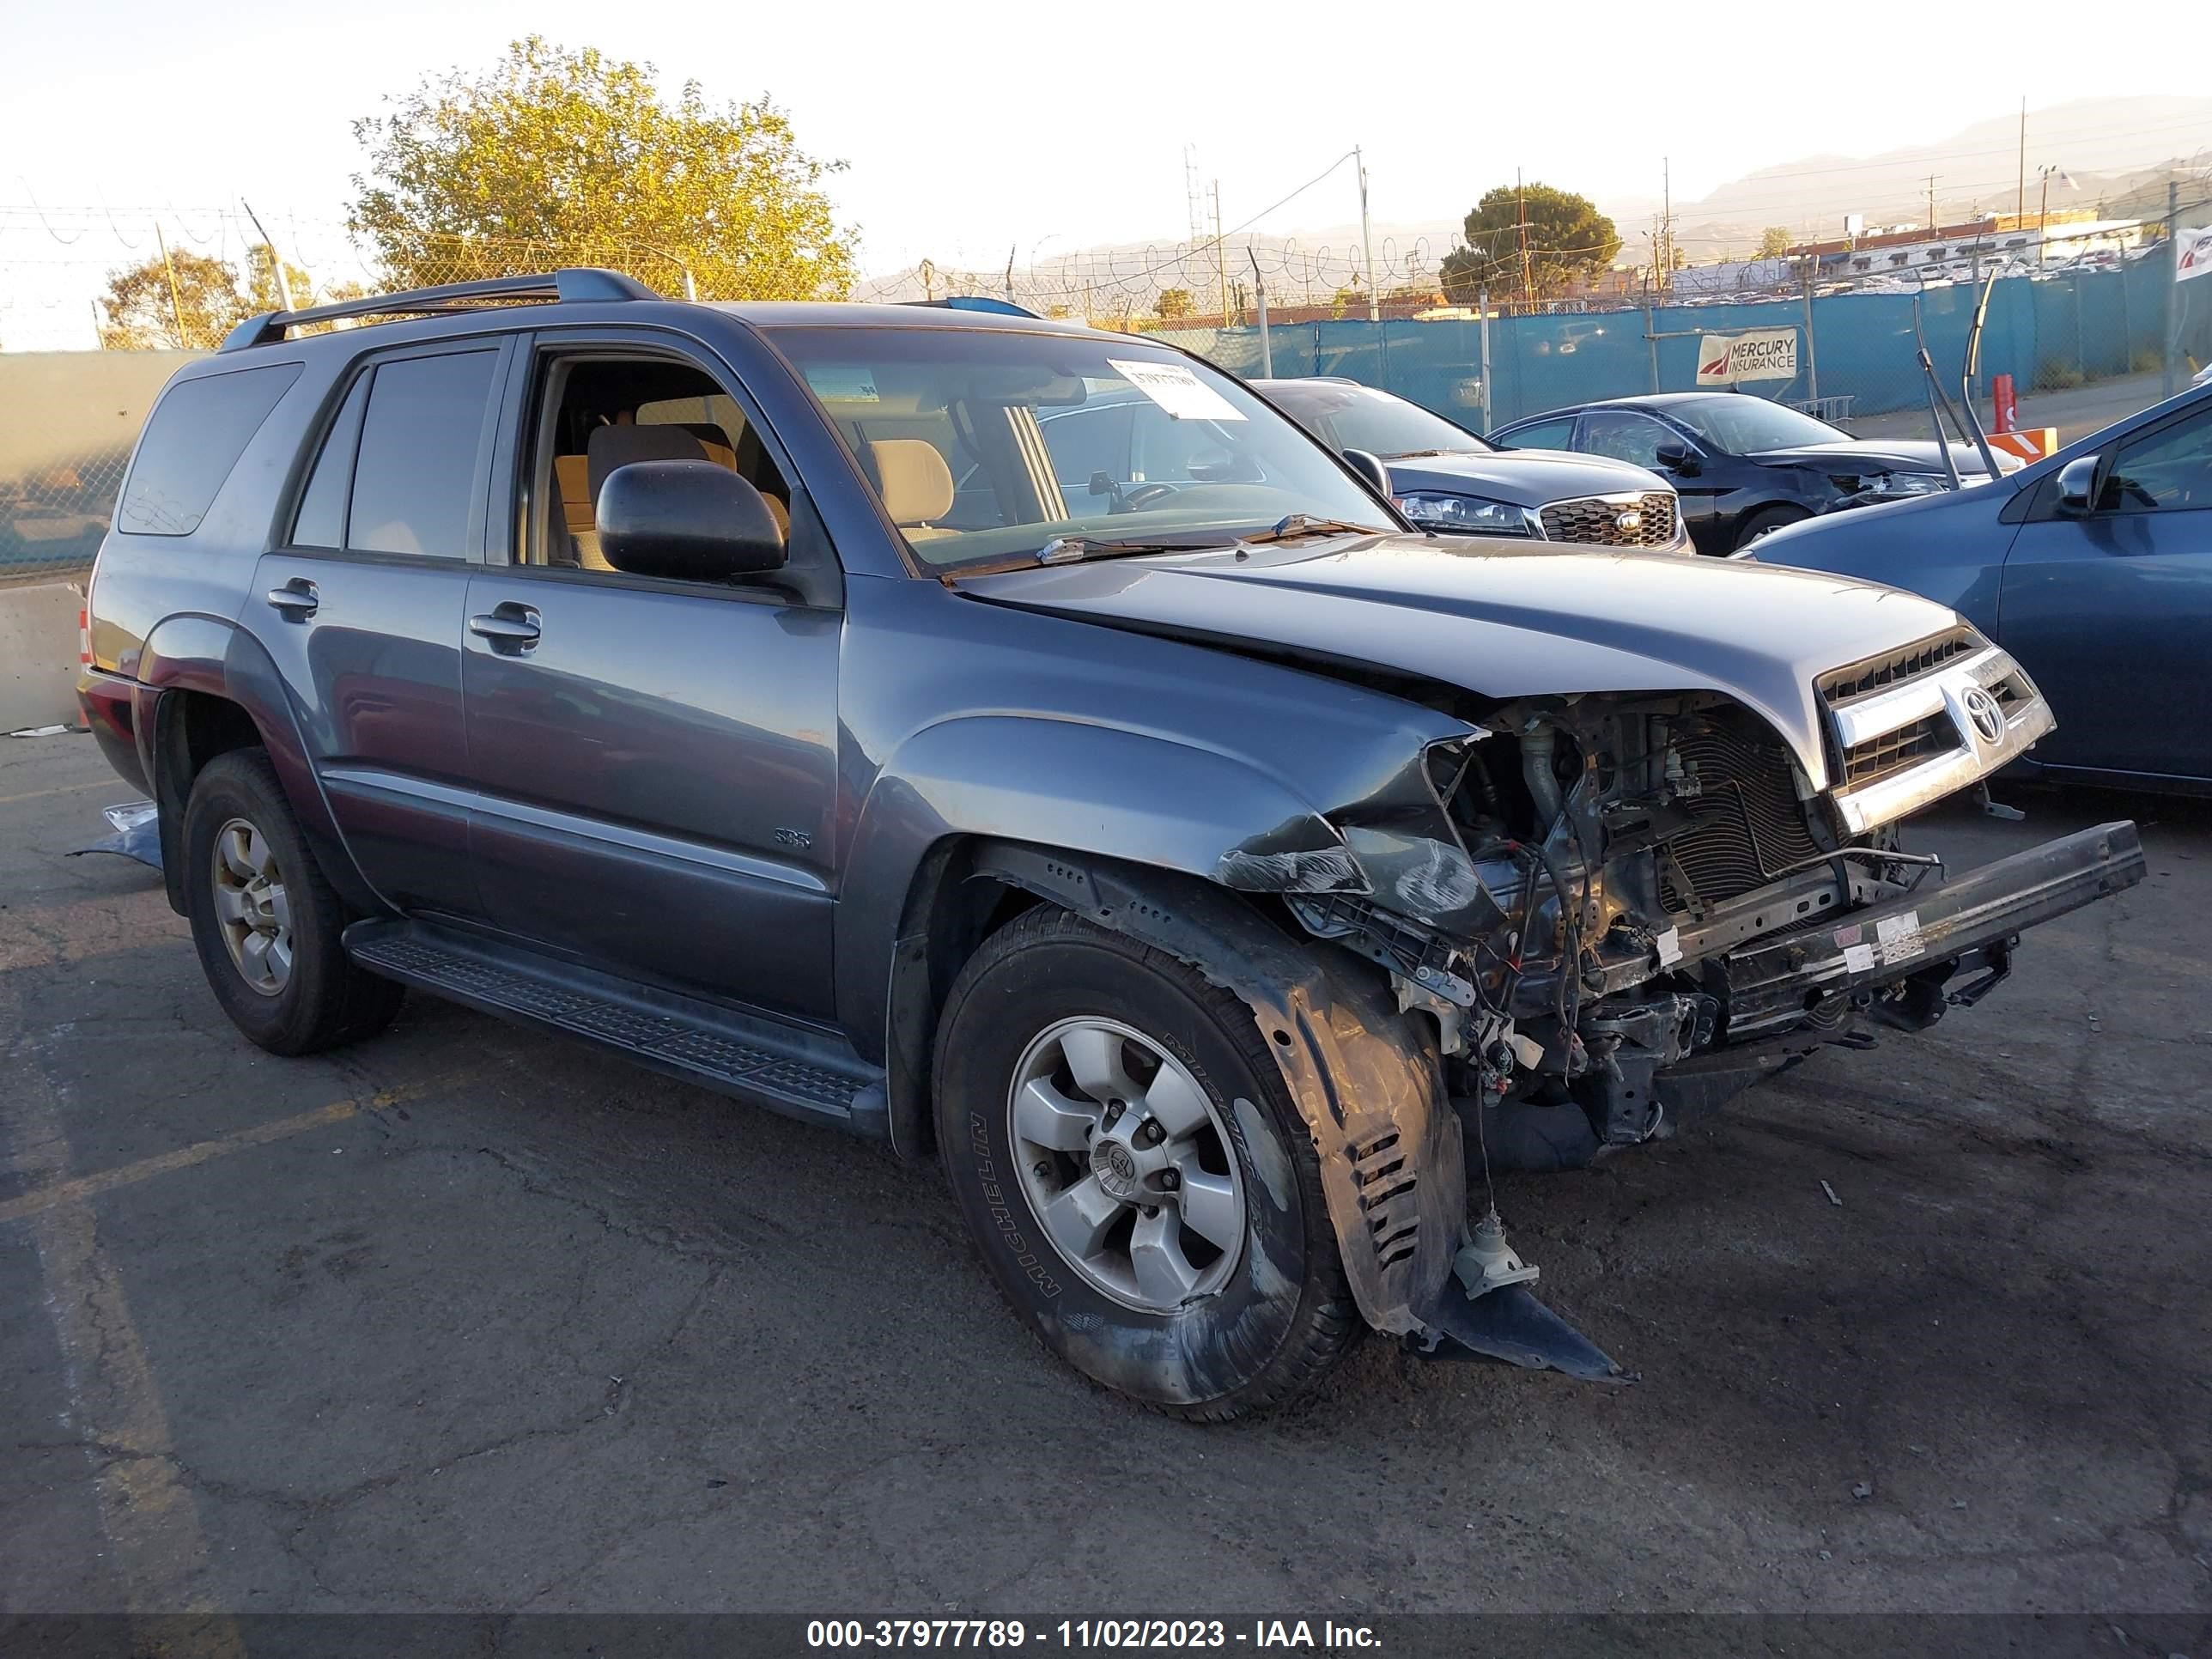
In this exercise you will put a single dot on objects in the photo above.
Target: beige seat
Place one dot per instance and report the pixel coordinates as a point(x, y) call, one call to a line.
point(916, 485)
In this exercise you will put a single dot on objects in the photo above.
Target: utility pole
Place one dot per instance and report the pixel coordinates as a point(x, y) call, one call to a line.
point(1010, 273)
point(2019, 197)
point(1932, 225)
point(1260, 295)
point(1667, 219)
point(1220, 257)
point(1482, 305)
point(1520, 227)
point(275, 260)
point(2174, 284)
point(1367, 241)
point(177, 305)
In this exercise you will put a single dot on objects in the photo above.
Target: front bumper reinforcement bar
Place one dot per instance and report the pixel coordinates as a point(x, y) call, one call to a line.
point(1772, 982)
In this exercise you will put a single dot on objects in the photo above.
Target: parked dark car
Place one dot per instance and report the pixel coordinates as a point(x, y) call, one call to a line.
point(1745, 466)
point(2094, 569)
point(1188, 868)
point(1445, 478)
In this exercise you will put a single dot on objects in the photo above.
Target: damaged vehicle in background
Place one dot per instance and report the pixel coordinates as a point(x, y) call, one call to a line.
point(1204, 873)
point(1745, 466)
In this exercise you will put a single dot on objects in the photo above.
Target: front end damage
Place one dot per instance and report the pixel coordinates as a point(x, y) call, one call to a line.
point(1617, 908)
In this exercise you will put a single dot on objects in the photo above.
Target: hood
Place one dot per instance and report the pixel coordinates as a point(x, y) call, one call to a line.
point(1505, 619)
point(1524, 478)
point(1880, 455)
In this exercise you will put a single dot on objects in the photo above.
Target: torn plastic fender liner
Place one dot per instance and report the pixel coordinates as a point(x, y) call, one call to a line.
point(1365, 1079)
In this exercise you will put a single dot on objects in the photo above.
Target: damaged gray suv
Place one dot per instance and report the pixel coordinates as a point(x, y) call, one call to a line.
point(1201, 865)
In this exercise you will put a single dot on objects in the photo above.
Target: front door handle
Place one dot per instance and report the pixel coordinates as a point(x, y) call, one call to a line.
point(296, 599)
point(508, 626)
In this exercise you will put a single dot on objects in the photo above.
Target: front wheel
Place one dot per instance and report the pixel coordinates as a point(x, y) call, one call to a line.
point(1135, 1173)
point(1764, 522)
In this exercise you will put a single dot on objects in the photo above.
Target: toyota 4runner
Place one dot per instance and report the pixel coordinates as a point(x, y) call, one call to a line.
point(1208, 868)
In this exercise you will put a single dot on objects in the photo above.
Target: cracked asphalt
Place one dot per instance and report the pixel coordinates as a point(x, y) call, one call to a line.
point(469, 1318)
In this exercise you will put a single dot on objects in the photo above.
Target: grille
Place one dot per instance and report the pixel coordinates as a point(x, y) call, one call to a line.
point(1842, 684)
point(1746, 821)
point(1877, 757)
point(1596, 521)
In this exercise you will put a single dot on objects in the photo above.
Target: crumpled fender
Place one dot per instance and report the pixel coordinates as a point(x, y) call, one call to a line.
point(1366, 1077)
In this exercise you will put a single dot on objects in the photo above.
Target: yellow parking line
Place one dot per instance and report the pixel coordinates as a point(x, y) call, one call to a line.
point(77, 1189)
point(147, 1511)
point(63, 789)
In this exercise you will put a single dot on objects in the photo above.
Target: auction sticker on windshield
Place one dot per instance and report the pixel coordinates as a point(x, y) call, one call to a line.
point(1176, 390)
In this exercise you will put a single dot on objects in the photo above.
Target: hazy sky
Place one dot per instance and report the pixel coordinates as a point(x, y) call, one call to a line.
point(972, 128)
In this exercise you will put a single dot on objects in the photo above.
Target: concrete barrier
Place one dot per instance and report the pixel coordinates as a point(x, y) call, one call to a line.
point(38, 655)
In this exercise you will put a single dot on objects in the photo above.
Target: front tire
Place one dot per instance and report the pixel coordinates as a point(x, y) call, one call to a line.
point(1765, 522)
point(265, 922)
point(1134, 1171)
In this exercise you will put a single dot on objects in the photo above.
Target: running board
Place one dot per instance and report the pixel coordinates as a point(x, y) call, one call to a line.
point(800, 1074)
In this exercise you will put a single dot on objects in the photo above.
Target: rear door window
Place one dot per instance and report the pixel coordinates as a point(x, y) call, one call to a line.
point(321, 521)
point(419, 475)
point(193, 440)
point(1543, 435)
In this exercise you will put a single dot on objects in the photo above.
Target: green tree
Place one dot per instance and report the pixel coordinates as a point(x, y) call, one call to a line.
point(1775, 241)
point(1567, 238)
point(1173, 303)
point(554, 156)
point(143, 313)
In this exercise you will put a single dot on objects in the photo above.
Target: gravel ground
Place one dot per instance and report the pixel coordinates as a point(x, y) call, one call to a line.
point(473, 1318)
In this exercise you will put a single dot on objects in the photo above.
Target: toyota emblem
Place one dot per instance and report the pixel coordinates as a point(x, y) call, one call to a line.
point(1982, 709)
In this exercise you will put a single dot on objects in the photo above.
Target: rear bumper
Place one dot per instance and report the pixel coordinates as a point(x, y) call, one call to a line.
point(1771, 983)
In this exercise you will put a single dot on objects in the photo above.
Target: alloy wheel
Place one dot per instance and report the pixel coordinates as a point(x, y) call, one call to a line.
point(1127, 1165)
point(252, 908)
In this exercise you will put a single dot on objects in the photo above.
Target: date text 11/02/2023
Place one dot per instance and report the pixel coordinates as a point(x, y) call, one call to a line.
point(1322, 1635)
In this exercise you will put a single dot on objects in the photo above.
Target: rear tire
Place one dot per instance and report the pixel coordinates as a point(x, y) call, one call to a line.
point(1179, 1249)
point(265, 922)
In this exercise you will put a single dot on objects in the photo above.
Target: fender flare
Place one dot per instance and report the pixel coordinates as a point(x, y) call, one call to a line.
point(1366, 1077)
point(219, 658)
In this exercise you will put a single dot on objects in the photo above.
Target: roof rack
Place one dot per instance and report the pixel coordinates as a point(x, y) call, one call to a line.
point(577, 283)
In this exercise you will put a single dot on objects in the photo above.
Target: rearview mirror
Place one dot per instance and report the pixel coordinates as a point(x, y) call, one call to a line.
point(2077, 483)
point(691, 521)
point(1678, 457)
point(1369, 467)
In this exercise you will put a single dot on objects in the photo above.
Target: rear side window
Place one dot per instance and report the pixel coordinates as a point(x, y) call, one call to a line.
point(418, 471)
point(321, 522)
point(1544, 434)
point(194, 437)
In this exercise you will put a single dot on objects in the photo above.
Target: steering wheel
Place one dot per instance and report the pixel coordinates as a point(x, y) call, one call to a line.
point(1135, 500)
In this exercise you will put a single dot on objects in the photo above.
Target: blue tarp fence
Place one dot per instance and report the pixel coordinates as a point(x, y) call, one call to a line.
point(2047, 332)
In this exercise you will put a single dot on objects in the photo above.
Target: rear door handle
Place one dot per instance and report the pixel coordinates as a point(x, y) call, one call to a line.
point(296, 599)
point(508, 626)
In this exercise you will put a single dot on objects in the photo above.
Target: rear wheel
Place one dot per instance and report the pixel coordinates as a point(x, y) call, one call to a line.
point(1135, 1173)
point(265, 921)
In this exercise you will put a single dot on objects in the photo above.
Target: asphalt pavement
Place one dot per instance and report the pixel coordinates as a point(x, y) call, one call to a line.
point(468, 1317)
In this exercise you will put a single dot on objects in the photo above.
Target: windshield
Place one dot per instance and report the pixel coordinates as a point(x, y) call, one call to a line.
point(1359, 417)
point(1741, 424)
point(984, 443)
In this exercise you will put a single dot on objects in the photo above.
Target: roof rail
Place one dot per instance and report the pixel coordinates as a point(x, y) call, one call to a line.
point(975, 302)
point(578, 283)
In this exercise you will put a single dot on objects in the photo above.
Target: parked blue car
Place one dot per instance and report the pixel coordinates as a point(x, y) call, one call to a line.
point(2093, 568)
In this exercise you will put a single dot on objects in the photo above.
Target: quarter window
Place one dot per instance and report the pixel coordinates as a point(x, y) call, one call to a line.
point(197, 433)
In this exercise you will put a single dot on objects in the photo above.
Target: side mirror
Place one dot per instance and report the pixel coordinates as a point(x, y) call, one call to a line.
point(686, 520)
point(1369, 465)
point(2077, 483)
point(1678, 457)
